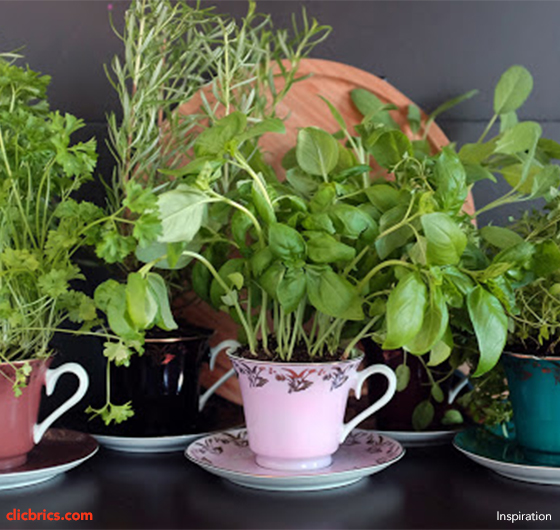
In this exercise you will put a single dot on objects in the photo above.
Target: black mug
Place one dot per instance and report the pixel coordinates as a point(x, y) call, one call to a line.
point(163, 386)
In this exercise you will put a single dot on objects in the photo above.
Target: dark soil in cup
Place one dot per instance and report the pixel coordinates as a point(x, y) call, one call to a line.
point(300, 354)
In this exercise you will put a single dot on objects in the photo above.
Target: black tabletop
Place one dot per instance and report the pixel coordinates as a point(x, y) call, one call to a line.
point(428, 488)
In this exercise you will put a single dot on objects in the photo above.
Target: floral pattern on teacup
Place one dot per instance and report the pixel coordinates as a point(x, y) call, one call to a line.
point(296, 380)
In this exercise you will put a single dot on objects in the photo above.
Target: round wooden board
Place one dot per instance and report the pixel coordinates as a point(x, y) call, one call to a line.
point(303, 107)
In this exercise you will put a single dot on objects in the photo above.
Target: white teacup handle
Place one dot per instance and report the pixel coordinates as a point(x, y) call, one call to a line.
point(50, 382)
point(374, 407)
point(231, 345)
point(456, 390)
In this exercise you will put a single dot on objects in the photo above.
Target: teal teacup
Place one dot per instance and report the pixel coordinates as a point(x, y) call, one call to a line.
point(534, 385)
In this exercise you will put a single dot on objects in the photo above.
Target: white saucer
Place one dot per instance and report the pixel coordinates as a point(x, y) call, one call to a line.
point(420, 439)
point(59, 451)
point(227, 455)
point(154, 444)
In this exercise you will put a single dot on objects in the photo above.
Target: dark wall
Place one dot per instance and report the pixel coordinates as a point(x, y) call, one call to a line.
point(429, 50)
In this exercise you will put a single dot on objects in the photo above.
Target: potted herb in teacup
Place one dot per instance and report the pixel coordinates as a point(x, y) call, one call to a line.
point(458, 292)
point(41, 229)
point(531, 362)
point(170, 93)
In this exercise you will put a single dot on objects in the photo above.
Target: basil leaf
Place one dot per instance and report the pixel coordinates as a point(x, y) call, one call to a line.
point(285, 242)
point(332, 294)
point(212, 141)
point(451, 180)
point(291, 289)
point(434, 324)
point(323, 248)
point(445, 240)
point(164, 318)
point(490, 325)
point(181, 211)
point(405, 311)
point(140, 303)
point(499, 237)
point(316, 151)
point(389, 148)
point(423, 415)
point(547, 258)
point(403, 377)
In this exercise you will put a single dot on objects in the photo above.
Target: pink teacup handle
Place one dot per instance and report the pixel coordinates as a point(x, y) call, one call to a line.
point(51, 378)
point(231, 346)
point(374, 407)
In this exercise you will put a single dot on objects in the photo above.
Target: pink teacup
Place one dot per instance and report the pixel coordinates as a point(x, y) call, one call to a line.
point(19, 430)
point(295, 411)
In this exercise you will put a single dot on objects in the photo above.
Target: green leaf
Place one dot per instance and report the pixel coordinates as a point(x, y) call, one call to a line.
point(112, 413)
point(442, 349)
point(490, 325)
point(550, 148)
point(434, 324)
point(403, 377)
point(499, 237)
point(262, 205)
point(383, 196)
point(270, 279)
point(323, 248)
point(545, 182)
point(285, 242)
point(350, 221)
point(182, 212)
point(389, 148)
point(225, 272)
point(476, 173)
point(332, 294)
point(140, 302)
point(316, 151)
point(240, 224)
point(449, 104)
point(291, 289)
point(445, 240)
point(156, 251)
point(507, 121)
point(451, 181)
point(513, 175)
point(414, 118)
point(303, 183)
point(336, 114)
point(437, 393)
point(118, 353)
point(519, 138)
point(512, 89)
point(261, 260)
point(547, 258)
point(319, 221)
point(423, 415)
point(213, 141)
point(373, 109)
point(268, 125)
point(164, 318)
point(405, 311)
point(452, 417)
point(477, 153)
point(396, 239)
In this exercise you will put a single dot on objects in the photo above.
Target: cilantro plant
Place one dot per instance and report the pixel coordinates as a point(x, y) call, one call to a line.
point(41, 225)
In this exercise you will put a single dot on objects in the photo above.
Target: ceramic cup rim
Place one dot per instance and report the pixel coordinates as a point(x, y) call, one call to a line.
point(532, 357)
point(360, 358)
point(174, 340)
